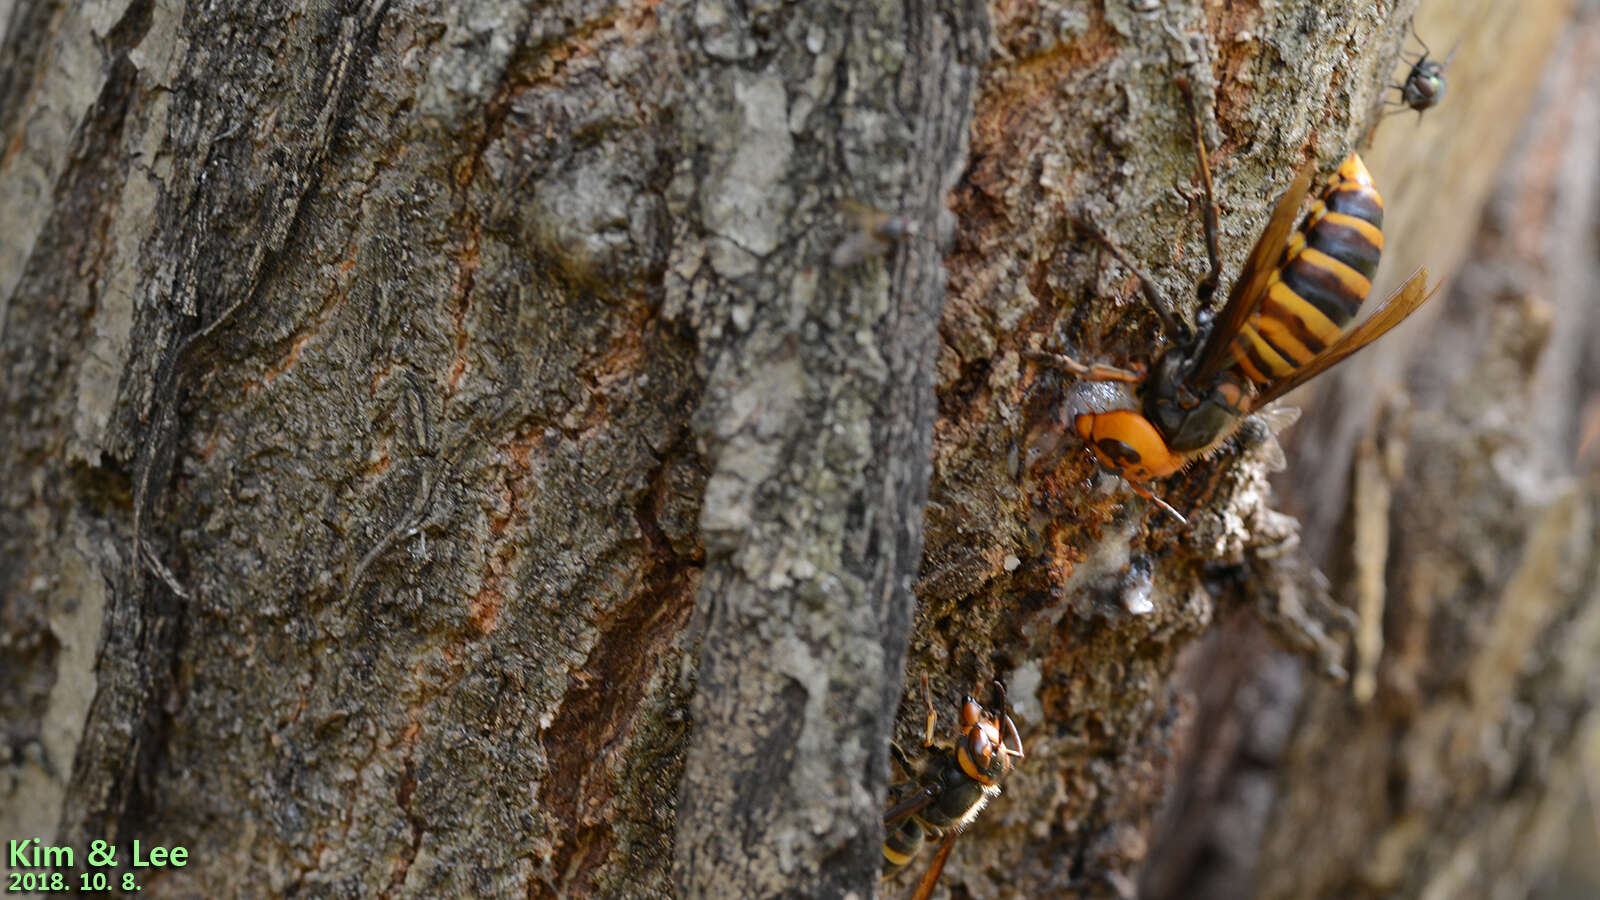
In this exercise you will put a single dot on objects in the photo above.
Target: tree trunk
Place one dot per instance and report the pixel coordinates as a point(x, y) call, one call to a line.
point(1442, 488)
point(485, 450)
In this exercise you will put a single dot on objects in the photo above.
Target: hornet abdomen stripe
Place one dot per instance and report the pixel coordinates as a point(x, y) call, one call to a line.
point(902, 843)
point(1308, 323)
point(1264, 357)
point(1323, 277)
point(1284, 338)
point(1326, 283)
point(1355, 242)
point(1353, 193)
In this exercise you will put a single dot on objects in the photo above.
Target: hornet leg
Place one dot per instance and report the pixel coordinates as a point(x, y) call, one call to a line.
point(1144, 492)
point(1152, 294)
point(1208, 211)
point(1089, 372)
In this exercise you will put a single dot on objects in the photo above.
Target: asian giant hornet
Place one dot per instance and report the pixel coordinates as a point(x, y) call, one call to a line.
point(950, 785)
point(1282, 326)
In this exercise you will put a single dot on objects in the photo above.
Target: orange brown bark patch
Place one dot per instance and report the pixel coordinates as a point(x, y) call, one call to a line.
point(599, 715)
point(292, 357)
point(1233, 26)
point(485, 607)
point(466, 259)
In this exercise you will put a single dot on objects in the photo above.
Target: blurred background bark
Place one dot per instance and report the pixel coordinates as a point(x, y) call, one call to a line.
point(449, 454)
point(1443, 488)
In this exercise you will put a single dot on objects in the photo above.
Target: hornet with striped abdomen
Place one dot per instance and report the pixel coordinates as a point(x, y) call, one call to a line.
point(1284, 323)
point(948, 787)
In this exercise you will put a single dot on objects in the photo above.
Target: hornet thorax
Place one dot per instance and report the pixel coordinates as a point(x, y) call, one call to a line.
point(1191, 420)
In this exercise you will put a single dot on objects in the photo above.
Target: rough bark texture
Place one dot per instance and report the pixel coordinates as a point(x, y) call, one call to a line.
point(448, 454)
point(815, 422)
point(1035, 563)
point(1461, 530)
point(376, 373)
point(1461, 776)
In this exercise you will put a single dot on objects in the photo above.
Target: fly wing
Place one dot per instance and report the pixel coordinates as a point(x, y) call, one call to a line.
point(1251, 285)
point(1276, 417)
point(1403, 302)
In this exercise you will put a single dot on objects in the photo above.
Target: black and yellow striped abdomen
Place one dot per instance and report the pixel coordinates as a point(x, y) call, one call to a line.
point(958, 802)
point(1319, 285)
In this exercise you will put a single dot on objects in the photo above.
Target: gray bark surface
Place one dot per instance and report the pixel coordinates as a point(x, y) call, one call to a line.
point(449, 453)
point(816, 421)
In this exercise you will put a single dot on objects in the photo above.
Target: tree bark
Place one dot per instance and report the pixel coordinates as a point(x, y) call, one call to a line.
point(453, 451)
point(815, 423)
point(1460, 528)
